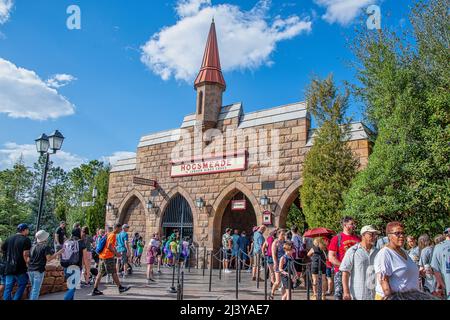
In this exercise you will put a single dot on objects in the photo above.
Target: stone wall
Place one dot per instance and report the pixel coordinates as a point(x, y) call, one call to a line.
point(53, 282)
point(217, 189)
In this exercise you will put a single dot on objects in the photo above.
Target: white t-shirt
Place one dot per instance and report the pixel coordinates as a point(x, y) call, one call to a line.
point(403, 274)
point(155, 243)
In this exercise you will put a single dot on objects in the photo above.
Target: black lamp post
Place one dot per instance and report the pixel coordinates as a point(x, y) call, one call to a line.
point(43, 144)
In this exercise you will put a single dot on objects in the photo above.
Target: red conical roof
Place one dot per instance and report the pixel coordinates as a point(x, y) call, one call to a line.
point(211, 71)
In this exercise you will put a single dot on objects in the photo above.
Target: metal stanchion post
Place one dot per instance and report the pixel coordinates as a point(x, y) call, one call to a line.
point(210, 271)
point(308, 283)
point(258, 261)
point(220, 263)
point(196, 253)
point(204, 260)
point(237, 284)
point(189, 260)
point(319, 282)
point(265, 278)
point(182, 286)
point(289, 279)
point(239, 261)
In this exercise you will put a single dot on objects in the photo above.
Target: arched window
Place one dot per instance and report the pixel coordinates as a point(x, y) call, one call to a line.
point(200, 102)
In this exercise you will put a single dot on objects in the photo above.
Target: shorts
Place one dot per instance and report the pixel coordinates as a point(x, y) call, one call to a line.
point(234, 253)
point(124, 258)
point(285, 282)
point(269, 260)
point(158, 252)
point(329, 272)
point(315, 268)
point(226, 254)
point(107, 266)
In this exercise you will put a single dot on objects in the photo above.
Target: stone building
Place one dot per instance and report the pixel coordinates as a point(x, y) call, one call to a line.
point(219, 167)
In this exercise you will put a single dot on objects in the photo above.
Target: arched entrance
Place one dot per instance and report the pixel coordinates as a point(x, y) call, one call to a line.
point(240, 220)
point(134, 215)
point(178, 215)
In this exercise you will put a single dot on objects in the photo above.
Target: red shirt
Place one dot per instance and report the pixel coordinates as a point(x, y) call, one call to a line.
point(346, 243)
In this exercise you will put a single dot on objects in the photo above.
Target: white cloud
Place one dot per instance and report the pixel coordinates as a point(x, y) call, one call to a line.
point(116, 156)
point(343, 11)
point(246, 38)
point(5, 9)
point(60, 80)
point(24, 95)
point(12, 152)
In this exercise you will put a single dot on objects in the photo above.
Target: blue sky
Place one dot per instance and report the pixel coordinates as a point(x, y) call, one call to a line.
point(129, 70)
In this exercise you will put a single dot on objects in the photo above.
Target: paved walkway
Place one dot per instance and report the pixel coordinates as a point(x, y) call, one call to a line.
point(195, 288)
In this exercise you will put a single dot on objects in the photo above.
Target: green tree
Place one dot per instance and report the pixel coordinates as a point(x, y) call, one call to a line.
point(296, 218)
point(405, 86)
point(15, 187)
point(329, 165)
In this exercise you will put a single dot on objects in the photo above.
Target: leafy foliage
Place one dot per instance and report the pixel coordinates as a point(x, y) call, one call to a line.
point(329, 165)
point(405, 85)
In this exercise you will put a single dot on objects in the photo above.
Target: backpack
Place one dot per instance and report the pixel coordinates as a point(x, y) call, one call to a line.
point(101, 244)
point(71, 254)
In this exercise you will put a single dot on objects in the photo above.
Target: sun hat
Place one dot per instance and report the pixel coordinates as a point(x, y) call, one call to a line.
point(42, 236)
point(369, 228)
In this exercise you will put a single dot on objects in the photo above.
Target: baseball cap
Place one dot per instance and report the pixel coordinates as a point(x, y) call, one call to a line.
point(21, 227)
point(369, 228)
point(125, 226)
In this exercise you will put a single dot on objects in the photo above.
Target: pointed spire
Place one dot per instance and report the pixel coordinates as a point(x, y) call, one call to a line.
point(211, 71)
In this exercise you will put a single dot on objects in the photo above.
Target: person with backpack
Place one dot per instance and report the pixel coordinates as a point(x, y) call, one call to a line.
point(41, 253)
point(286, 267)
point(72, 262)
point(107, 251)
point(339, 244)
point(357, 267)
point(123, 247)
point(16, 250)
point(299, 253)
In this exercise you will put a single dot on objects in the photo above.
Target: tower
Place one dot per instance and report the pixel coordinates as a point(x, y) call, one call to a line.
point(209, 84)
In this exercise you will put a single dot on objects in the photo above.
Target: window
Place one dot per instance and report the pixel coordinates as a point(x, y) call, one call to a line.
point(200, 102)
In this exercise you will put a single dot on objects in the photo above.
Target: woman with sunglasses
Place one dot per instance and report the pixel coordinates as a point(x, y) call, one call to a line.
point(396, 271)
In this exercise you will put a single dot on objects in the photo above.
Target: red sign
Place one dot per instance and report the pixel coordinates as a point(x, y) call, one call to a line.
point(238, 205)
point(216, 164)
point(267, 217)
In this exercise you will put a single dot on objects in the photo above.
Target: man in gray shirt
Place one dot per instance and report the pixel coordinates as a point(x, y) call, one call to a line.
point(440, 263)
point(357, 267)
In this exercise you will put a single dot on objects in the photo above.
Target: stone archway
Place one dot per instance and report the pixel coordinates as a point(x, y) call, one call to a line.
point(290, 196)
point(133, 213)
point(222, 206)
point(166, 202)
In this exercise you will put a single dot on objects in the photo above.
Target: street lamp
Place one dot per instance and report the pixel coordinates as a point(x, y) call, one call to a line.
point(43, 144)
point(264, 201)
point(94, 193)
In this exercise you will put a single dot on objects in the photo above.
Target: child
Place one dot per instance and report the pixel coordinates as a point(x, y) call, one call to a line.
point(140, 249)
point(318, 266)
point(173, 252)
point(151, 256)
point(287, 267)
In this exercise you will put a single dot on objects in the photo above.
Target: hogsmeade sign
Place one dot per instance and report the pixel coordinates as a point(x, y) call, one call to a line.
point(207, 165)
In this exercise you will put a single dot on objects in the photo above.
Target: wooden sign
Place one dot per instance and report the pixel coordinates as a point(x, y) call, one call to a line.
point(267, 217)
point(145, 182)
point(238, 205)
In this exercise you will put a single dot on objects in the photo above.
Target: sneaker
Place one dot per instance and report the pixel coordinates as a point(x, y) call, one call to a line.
point(159, 271)
point(123, 289)
point(96, 292)
point(150, 279)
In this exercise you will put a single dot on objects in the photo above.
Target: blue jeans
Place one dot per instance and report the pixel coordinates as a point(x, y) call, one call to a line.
point(70, 293)
point(10, 281)
point(36, 279)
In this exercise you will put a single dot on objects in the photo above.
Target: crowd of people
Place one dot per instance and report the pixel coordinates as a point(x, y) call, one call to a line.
point(348, 265)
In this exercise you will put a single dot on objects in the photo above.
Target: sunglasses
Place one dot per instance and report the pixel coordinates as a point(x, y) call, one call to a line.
point(398, 234)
